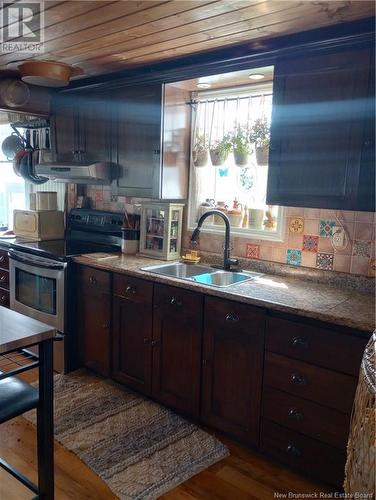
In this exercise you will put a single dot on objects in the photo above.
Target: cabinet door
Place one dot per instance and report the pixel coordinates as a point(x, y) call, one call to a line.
point(232, 368)
point(95, 128)
point(132, 332)
point(138, 140)
point(177, 333)
point(320, 107)
point(94, 318)
point(64, 128)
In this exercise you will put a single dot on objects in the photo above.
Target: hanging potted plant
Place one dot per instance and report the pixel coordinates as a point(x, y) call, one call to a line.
point(241, 146)
point(220, 150)
point(260, 137)
point(200, 152)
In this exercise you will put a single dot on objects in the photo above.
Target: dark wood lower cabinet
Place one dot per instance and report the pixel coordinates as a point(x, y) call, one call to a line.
point(177, 334)
point(94, 319)
point(132, 332)
point(232, 368)
point(290, 395)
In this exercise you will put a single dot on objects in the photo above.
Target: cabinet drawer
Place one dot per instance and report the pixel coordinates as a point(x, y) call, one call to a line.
point(308, 455)
point(232, 315)
point(4, 297)
point(134, 289)
point(177, 301)
point(306, 417)
point(4, 279)
point(315, 345)
point(323, 386)
point(4, 259)
point(94, 278)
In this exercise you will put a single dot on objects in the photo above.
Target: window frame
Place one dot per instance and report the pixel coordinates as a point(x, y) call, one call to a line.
point(249, 233)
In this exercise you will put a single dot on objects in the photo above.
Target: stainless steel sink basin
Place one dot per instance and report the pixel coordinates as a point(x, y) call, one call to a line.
point(199, 273)
point(179, 270)
point(224, 278)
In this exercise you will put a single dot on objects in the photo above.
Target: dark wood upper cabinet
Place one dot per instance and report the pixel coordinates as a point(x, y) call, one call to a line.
point(177, 334)
point(232, 368)
point(152, 141)
point(94, 319)
point(82, 128)
point(322, 140)
point(132, 332)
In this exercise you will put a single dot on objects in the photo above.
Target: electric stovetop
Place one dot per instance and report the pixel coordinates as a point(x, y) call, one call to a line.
point(62, 250)
point(88, 231)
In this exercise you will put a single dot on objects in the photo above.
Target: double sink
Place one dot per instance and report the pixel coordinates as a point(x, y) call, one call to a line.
point(199, 273)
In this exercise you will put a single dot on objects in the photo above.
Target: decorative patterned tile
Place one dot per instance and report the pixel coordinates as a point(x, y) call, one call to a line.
point(362, 248)
point(294, 257)
point(310, 243)
point(296, 225)
point(252, 251)
point(372, 268)
point(325, 261)
point(326, 228)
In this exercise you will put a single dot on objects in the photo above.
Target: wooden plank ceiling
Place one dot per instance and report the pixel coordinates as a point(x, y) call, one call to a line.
point(105, 36)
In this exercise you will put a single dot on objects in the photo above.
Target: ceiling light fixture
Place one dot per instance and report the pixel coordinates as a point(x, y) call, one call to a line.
point(257, 76)
point(203, 85)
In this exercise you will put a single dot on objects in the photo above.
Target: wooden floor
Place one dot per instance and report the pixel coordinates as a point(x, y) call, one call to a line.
point(243, 475)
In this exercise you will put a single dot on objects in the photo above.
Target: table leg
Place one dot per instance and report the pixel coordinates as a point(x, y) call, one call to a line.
point(45, 439)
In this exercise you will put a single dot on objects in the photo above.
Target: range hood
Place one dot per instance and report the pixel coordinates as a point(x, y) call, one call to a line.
point(77, 173)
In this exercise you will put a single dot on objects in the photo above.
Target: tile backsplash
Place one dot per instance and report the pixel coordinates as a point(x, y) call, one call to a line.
point(307, 239)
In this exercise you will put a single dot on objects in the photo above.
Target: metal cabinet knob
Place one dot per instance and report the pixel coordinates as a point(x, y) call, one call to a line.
point(293, 450)
point(2, 258)
point(130, 289)
point(3, 298)
point(300, 342)
point(298, 379)
point(3, 277)
point(232, 318)
point(295, 414)
point(93, 280)
point(176, 302)
point(154, 343)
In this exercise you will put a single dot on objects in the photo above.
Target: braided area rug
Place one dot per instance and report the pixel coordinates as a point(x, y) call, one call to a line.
point(139, 448)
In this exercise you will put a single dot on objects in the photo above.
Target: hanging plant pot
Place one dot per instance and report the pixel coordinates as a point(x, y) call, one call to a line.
point(262, 155)
point(241, 158)
point(200, 158)
point(218, 158)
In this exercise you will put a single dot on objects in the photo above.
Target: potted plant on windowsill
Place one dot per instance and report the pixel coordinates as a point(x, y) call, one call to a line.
point(260, 137)
point(220, 150)
point(200, 152)
point(241, 146)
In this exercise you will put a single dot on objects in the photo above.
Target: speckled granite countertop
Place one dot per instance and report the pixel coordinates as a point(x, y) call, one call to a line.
point(340, 306)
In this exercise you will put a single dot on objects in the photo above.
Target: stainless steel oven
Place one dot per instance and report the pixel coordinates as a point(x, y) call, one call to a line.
point(37, 287)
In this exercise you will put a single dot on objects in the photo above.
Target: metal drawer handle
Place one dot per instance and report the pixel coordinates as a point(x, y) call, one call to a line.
point(3, 298)
point(293, 450)
point(300, 342)
point(232, 317)
point(130, 289)
point(295, 414)
point(3, 277)
point(2, 258)
point(176, 302)
point(298, 379)
point(154, 343)
point(93, 280)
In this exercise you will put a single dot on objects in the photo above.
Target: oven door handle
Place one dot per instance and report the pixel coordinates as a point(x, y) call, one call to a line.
point(38, 262)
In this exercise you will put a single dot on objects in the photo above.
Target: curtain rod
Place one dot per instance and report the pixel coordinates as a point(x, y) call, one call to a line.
point(194, 102)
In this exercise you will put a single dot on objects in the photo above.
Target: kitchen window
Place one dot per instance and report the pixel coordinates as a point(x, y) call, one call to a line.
point(229, 161)
point(12, 187)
